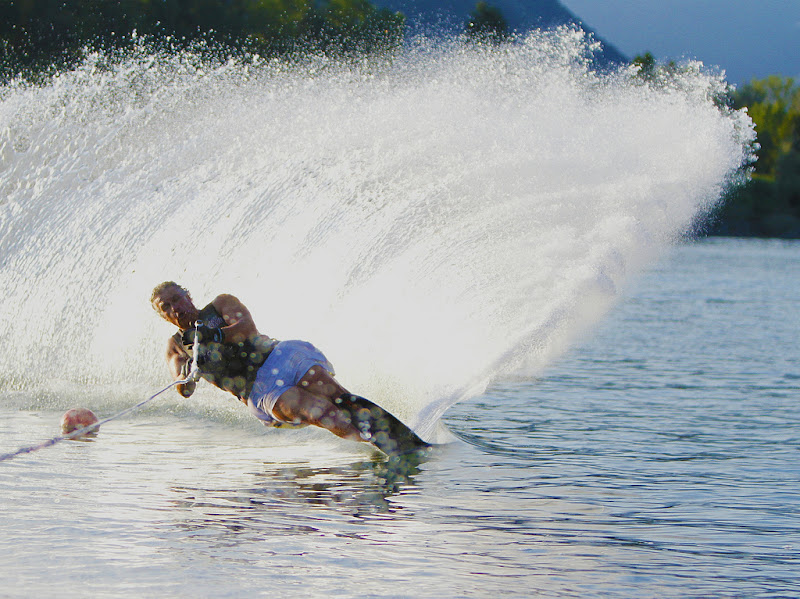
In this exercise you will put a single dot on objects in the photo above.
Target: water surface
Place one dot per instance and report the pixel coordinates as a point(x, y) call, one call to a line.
point(657, 459)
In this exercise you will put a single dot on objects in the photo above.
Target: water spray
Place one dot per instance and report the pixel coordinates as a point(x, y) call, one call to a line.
point(479, 207)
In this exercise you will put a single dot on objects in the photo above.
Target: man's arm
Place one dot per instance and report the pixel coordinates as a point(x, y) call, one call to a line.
point(176, 359)
point(240, 325)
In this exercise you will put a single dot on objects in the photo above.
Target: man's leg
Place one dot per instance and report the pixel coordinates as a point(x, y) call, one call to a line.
point(375, 424)
point(311, 402)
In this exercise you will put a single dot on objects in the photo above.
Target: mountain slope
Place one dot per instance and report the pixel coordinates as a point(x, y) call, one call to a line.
point(521, 15)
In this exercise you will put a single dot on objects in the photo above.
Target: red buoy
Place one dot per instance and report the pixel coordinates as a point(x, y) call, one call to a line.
point(77, 418)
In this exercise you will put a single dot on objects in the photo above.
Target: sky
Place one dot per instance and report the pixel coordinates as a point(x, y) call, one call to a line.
point(747, 38)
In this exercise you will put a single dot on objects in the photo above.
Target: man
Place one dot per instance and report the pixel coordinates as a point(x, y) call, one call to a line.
point(280, 381)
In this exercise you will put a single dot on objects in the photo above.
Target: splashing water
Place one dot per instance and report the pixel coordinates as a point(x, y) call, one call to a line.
point(457, 215)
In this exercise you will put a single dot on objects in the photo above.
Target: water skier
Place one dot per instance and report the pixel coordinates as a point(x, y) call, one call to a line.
point(280, 381)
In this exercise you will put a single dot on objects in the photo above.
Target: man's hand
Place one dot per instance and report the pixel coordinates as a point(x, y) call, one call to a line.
point(186, 389)
point(188, 372)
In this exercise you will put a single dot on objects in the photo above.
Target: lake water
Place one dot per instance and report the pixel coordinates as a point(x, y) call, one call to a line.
point(658, 458)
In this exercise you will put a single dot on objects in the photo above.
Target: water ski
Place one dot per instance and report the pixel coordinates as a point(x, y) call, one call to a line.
point(383, 429)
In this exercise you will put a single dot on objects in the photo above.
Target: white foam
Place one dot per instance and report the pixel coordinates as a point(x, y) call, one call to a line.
point(456, 215)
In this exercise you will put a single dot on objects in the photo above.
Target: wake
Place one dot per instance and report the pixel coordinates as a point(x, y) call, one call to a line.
point(432, 222)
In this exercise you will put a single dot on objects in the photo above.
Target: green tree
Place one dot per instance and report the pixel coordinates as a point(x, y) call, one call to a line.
point(38, 36)
point(768, 205)
point(774, 105)
point(486, 23)
point(653, 72)
point(647, 65)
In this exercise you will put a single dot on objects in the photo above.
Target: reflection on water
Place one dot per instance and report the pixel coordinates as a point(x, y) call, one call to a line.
point(283, 495)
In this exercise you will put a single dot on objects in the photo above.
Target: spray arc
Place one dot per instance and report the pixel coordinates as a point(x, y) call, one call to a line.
point(433, 223)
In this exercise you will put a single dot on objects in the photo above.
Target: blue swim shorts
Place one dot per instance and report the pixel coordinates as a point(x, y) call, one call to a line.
point(287, 363)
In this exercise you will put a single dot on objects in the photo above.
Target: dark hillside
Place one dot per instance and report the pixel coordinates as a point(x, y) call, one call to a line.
point(521, 15)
